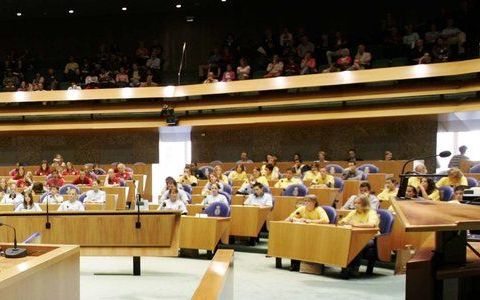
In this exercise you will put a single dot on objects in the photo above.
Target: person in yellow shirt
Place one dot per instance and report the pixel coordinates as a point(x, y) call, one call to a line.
point(238, 174)
point(217, 170)
point(415, 181)
point(312, 174)
point(187, 178)
point(288, 180)
point(259, 177)
point(269, 172)
point(428, 190)
point(272, 160)
point(390, 191)
point(324, 179)
point(311, 212)
point(455, 178)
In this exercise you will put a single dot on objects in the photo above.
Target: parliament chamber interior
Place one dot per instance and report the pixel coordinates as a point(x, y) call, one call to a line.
point(225, 149)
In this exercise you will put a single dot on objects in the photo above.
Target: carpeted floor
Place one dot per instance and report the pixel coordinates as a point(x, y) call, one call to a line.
point(255, 277)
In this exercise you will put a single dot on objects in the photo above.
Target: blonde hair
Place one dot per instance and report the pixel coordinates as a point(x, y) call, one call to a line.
point(312, 198)
point(455, 173)
point(365, 201)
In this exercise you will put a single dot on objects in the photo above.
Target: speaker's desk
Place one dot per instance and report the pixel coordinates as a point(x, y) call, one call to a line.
point(48, 272)
point(319, 243)
point(110, 233)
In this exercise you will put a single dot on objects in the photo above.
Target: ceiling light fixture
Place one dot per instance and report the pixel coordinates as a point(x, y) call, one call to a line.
point(19, 14)
point(71, 11)
point(178, 6)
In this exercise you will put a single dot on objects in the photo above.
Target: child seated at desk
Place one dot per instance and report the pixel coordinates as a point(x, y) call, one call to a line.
point(53, 196)
point(214, 196)
point(28, 204)
point(259, 197)
point(73, 204)
point(309, 213)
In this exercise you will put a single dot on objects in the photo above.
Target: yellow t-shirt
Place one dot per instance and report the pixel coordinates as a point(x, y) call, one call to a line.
point(223, 179)
point(435, 195)
point(414, 181)
point(262, 180)
point(284, 182)
point(309, 176)
point(446, 181)
point(328, 180)
point(317, 214)
point(190, 180)
point(386, 194)
point(234, 176)
point(370, 217)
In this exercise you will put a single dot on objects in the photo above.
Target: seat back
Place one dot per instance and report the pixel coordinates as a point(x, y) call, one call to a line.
point(216, 162)
point(446, 193)
point(472, 182)
point(218, 209)
point(475, 169)
point(187, 188)
point(334, 167)
point(206, 170)
point(66, 187)
point(338, 184)
point(331, 213)
point(297, 190)
point(227, 189)
point(386, 221)
point(369, 167)
point(43, 197)
point(82, 197)
point(228, 196)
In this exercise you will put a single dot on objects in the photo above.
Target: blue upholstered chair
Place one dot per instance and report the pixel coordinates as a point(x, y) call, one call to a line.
point(218, 209)
point(81, 198)
point(475, 169)
point(446, 193)
point(206, 170)
point(296, 190)
point(187, 188)
point(43, 197)
point(227, 189)
point(227, 195)
point(385, 226)
point(331, 213)
point(338, 184)
point(66, 187)
point(336, 168)
point(371, 168)
point(472, 182)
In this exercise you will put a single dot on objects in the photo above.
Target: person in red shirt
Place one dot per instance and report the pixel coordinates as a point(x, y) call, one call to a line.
point(111, 179)
point(55, 180)
point(13, 172)
point(82, 179)
point(70, 170)
point(44, 169)
point(20, 173)
point(122, 172)
point(27, 181)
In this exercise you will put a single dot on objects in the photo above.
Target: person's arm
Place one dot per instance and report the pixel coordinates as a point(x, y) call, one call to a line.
point(374, 202)
point(81, 207)
point(464, 181)
point(295, 215)
point(248, 201)
point(278, 184)
point(347, 218)
point(423, 192)
point(349, 203)
point(372, 221)
point(205, 190)
point(269, 201)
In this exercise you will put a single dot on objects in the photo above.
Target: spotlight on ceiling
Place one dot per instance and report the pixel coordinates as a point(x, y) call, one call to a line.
point(124, 8)
point(19, 14)
point(189, 19)
point(178, 5)
point(71, 11)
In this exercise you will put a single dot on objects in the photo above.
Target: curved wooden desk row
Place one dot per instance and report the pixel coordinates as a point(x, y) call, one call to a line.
point(316, 80)
point(217, 283)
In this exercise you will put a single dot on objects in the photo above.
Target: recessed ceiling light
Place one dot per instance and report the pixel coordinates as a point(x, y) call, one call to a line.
point(224, 0)
point(189, 19)
point(71, 11)
point(124, 8)
point(178, 6)
point(19, 14)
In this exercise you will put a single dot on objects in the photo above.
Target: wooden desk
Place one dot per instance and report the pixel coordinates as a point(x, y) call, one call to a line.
point(217, 283)
point(194, 209)
point(319, 243)
point(49, 272)
point(377, 181)
point(121, 192)
point(197, 199)
point(276, 191)
point(247, 221)
point(325, 196)
point(350, 187)
point(239, 199)
point(203, 233)
point(110, 233)
point(284, 206)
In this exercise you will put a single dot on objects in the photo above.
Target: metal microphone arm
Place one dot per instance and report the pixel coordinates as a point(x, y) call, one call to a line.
point(179, 75)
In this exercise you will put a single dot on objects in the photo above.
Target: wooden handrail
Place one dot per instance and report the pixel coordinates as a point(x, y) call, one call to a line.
point(278, 83)
point(217, 282)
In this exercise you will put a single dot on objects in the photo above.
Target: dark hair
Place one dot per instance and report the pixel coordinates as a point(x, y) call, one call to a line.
point(215, 184)
point(367, 185)
point(169, 178)
point(97, 181)
point(459, 188)
point(44, 162)
point(37, 187)
point(431, 186)
point(392, 179)
point(25, 194)
point(415, 195)
point(258, 184)
point(269, 166)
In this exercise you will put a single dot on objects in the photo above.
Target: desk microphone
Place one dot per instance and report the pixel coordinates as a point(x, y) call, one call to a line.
point(14, 252)
point(48, 224)
point(138, 224)
point(404, 177)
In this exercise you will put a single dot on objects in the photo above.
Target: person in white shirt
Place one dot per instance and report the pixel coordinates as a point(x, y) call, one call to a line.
point(73, 204)
point(28, 204)
point(173, 201)
point(212, 180)
point(173, 185)
point(14, 197)
point(53, 196)
point(365, 189)
point(214, 196)
point(95, 195)
point(259, 197)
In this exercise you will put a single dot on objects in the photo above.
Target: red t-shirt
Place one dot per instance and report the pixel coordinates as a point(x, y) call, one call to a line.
point(22, 183)
point(41, 172)
point(124, 176)
point(85, 180)
point(114, 180)
point(17, 176)
point(58, 182)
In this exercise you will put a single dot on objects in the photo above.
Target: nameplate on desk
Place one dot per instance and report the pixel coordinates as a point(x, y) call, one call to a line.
point(201, 215)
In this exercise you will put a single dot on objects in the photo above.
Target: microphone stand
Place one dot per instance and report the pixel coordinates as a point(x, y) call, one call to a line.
point(181, 62)
point(47, 224)
point(14, 252)
point(138, 224)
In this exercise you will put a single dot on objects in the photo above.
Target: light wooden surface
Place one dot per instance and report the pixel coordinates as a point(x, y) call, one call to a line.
point(350, 187)
point(319, 243)
point(121, 193)
point(217, 283)
point(194, 209)
point(98, 229)
point(377, 181)
point(429, 216)
point(248, 220)
point(203, 233)
point(284, 206)
point(48, 273)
